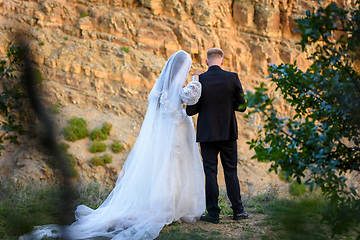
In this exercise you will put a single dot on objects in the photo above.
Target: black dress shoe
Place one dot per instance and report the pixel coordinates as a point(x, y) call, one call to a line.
point(210, 219)
point(240, 216)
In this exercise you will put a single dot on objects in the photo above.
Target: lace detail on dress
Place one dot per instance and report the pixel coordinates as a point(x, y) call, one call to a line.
point(177, 114)
point(191, 93)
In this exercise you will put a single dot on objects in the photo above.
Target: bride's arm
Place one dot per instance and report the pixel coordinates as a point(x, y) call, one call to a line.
point(192, 92)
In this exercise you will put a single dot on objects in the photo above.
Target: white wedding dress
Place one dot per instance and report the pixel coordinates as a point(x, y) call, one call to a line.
point(162, 180)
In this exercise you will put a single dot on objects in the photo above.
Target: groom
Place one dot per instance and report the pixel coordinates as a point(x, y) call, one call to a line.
point(217, 132)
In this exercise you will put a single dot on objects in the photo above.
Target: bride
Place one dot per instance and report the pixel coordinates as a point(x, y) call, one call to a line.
point(162, 180)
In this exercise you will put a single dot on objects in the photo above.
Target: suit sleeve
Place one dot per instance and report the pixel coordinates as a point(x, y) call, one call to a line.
point(193, 109)
point(238, 98)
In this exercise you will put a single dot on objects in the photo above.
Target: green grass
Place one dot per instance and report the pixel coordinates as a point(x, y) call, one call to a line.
point(297, 218)
point(297, 189)
point(225, 204)
point(76, 129)
point(23, 207)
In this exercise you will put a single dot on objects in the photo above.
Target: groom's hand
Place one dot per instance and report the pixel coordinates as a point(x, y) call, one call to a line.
point(197, 73)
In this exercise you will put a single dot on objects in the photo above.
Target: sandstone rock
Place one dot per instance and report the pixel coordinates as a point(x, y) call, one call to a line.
point(154, 5)
point(85, 23)
point(130, 77)
point(267, 18)
point(100, 72)
point(243, 13)
point(39, 15)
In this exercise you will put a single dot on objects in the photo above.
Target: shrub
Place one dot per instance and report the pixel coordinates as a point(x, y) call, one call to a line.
point(64, 146)
point(107, 158)
point(282, 176)
point(97, 161)
point(54, 108)
point(84, 15)
point(98, 147)
point(102, 160)
point(297, 189)
point(125, 49)
point(98, 135)
point(41, 43)
point(116, 146)
point(76, 129)
point(106, 127)
point(70, 160)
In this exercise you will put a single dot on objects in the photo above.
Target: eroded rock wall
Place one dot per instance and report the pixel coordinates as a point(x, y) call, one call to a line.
point(107, 54)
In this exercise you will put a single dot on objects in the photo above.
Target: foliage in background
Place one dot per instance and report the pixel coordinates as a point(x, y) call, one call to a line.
point(322, 138)
point(97, 146)
point(125, 49)
point(101, 160)
point(70, 159)
point(101, 134)
point(23, 207)
point(76, 129)
point(11, 94)
point(54, 108)
point(116, 146)
point(98, 135)
point(106, 127)
point(297, 189)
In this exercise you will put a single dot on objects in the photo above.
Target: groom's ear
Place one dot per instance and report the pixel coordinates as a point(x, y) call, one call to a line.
point(207, 63)
point(222, 62)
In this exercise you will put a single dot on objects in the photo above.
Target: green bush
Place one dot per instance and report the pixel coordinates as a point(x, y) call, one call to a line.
point(107, 158)
point(97, 135)
point(125, 49)
point(84, 15)
point(64, 146)
point(54, 108)
point(102, 160)
point(116, 146)
point(98, 147)
point(297, 189)
point(282, 176)
point(106, 127)
point(70, 160)
point(76, 129)
point(97, 161)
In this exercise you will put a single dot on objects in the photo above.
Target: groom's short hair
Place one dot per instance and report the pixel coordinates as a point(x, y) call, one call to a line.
point(215, 53)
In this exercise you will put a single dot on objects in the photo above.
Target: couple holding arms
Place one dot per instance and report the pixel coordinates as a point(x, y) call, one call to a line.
point(162, 180)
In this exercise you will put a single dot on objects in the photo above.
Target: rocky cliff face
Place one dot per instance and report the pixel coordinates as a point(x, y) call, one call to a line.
point(107, 54)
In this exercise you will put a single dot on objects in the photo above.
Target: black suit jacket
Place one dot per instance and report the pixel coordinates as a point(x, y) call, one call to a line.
point(221, 96)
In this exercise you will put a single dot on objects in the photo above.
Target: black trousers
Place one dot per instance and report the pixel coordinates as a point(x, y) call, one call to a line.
point(228, 156)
